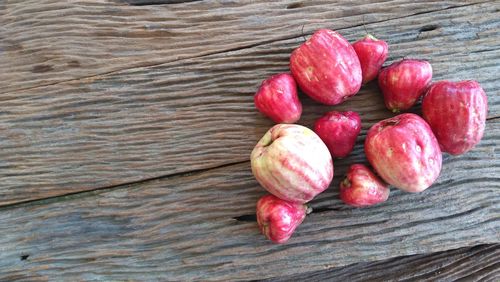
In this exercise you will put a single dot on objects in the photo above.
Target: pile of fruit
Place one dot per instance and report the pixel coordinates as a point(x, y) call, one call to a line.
point(294, 163)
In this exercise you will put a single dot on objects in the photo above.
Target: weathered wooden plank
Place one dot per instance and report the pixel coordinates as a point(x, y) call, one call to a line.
point(45, 42)
point(479, 263)
point(185, 228)
point(198, 113)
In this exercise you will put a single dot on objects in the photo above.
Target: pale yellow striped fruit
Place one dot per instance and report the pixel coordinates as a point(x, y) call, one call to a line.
point(292, 163)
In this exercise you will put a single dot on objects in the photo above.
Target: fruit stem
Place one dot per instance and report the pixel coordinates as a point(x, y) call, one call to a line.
point(364, 26)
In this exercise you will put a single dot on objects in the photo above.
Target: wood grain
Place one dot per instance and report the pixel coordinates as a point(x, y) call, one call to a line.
point(199, 226)
point(198, 113)
point(479, 263)
point(45, 42)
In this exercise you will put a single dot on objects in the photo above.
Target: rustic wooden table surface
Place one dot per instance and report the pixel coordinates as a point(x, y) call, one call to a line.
point(126, 128)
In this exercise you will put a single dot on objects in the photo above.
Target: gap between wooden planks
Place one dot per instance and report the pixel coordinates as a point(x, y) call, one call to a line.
point(47, 42)
point(185, 228)
point(197, 114)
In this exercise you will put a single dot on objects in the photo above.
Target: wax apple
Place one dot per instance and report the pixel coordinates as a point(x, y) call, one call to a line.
point(278, 219)
point(339, 131)
point(372, 54)
point(326, 67)
point(292, 163)
point(404, 152)
point(456, 112)
point(404, 82)
point(277, 98)
point(362, 188)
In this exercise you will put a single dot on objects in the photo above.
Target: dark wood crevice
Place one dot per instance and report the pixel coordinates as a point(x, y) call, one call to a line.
point(295, 5)
point(429, 27)
point(24, 257)
point(252, 217)
point(246, 218)
point(90, 192)
point(484, 51)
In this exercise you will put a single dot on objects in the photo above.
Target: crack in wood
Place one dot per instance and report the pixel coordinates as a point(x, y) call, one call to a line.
point(482, 51)
point(430, 27)
point(295, 5)
point(24, 257)
point(51, 199)
point(253, 218)
point(246, 218)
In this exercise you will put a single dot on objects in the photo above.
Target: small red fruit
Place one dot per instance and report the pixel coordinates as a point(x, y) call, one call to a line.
point(404, 152)
point(326, 67)
point(456, 112)
point(362, 188)
point(277, 98)
point(404, 82)
point(339, 131)
point(372, 54)
point(278, 218)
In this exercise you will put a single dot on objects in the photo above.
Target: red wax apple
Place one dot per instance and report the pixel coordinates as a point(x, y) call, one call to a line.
point(326, 67)
point(339, 131)
point(278, 219)
point(277, 98)
point(404, 82)
point(404, 152)
point(456, 112)
point(372, 54)
point(362, 188)
point(292, 163)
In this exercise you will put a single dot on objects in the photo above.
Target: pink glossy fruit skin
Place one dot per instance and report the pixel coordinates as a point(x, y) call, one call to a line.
point(404, 82)
point(372, 54)
point(277, 98)
point(404, 152)
point(362, 188)
point(326, 67)
point(278, 219)
point(339, 131)
point(456, 112)
point(292, 163)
